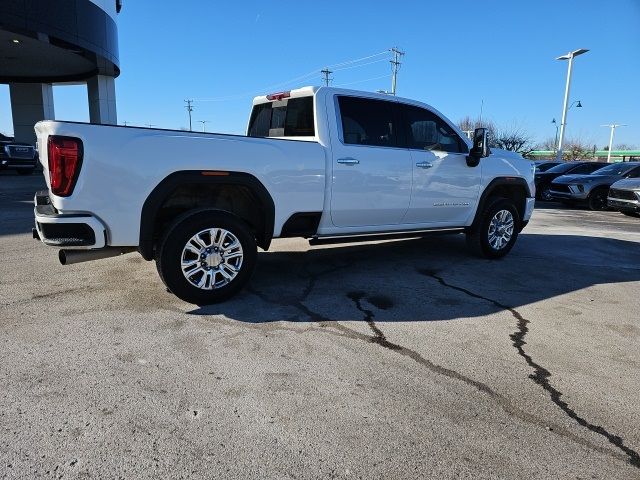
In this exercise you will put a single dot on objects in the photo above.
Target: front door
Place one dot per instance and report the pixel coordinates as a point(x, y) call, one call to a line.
point(371, 182)
point(445, 189)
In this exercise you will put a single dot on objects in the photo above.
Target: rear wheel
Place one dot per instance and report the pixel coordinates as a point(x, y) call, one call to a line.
point(497, 229)
point(206, 257)
point(598, 199)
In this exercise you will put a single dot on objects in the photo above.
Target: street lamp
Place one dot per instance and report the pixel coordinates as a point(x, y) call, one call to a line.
point(613, 127)
point(555, 124)
point(204, 124)
point(576, 104)
point(569, 56)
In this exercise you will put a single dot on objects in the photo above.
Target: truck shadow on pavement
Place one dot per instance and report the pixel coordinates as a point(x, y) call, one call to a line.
point(425, 279)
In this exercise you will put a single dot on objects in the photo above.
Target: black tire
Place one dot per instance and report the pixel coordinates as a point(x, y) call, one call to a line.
point(478, 239)
point(597, 200)
point(25, 171)
point(169, 256)
point(545, 194)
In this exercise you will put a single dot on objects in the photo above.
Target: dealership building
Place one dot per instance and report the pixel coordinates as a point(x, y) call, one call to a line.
point(45, 43)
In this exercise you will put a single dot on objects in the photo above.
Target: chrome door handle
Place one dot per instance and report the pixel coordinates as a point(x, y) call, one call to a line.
point(424, 165)
point(348, 161)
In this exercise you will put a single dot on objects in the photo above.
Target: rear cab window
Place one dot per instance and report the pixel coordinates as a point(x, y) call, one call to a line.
point(285, 117)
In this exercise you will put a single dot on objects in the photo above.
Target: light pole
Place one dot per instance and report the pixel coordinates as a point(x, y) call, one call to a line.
point(613, 127)
point(204, 123)
point(555, 124)
point(569, 56)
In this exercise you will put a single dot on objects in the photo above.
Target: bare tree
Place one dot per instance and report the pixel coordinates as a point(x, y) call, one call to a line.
point(624, 146)
point(548, 144)
point(577, 149)
point(514, 139)
point(468, 124)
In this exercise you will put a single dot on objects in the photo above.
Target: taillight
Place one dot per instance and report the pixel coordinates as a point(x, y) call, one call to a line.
point(65, 160)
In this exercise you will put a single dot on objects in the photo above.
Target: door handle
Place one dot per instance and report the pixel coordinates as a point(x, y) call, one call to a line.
point(348, 161)
point(424, 165)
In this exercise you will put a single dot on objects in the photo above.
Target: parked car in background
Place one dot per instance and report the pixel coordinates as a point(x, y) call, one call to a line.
point(624, 196)
point(18, 156)
point(593, 189)
point(543, 179)
point(544, 165)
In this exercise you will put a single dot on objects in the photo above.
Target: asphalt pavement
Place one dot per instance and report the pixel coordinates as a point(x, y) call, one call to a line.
point(396, 359)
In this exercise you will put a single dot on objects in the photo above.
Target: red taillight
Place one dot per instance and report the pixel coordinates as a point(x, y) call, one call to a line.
point(278, 96)
point(65, 160)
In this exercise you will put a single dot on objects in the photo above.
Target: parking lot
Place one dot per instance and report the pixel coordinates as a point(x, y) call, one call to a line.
point(396, 359)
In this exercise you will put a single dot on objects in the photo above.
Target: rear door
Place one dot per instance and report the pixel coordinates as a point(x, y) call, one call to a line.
point(445, 188)
point(371, 182)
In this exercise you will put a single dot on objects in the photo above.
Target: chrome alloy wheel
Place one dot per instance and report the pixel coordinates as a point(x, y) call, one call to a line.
point(500, 229)
point(212, 258)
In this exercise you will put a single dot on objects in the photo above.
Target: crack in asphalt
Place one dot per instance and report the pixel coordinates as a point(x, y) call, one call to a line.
point(541, 375)
point(332, 327)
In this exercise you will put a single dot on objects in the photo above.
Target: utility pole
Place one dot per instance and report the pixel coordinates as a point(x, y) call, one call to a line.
point(325, 73)
point(189, 108)
point(613, 127)
point(395, 67)
point(204, 123)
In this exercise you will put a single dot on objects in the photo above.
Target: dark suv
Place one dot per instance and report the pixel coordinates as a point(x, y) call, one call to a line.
point(543, 179)
point(19, 156)
point(593, 189)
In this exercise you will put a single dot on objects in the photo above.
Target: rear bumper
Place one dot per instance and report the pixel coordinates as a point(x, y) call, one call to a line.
point(6, 163)
point(66, 230)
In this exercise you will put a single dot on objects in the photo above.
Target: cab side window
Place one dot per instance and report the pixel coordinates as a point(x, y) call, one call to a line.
point(424, 130)
point(367, 122)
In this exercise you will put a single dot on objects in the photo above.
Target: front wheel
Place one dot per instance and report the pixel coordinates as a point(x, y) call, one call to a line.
point(497, 229)
point(545, 194)
point(598, 199)
point(206, 257)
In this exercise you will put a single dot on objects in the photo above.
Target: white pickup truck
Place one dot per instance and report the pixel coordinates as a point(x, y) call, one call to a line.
point(318, 162)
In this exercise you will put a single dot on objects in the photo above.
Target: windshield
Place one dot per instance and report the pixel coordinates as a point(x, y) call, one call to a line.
point(543, 167)
point(563, 167)
point(615, 169)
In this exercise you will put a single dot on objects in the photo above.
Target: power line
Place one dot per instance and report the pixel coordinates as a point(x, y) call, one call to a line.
point(189, 108)
point(325, 74)
point(362, 81)
point(313, 73)
point(395, 66)
point(359, 65)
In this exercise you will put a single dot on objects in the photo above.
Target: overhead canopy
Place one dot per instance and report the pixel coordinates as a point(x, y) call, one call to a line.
point(46, 41)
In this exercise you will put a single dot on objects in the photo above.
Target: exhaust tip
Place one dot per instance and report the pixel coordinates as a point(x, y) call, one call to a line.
point(62, 256)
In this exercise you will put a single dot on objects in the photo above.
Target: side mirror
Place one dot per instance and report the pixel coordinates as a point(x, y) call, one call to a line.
point(480, 148)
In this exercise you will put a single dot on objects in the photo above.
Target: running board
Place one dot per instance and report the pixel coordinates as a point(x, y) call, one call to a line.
point(382, 236)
